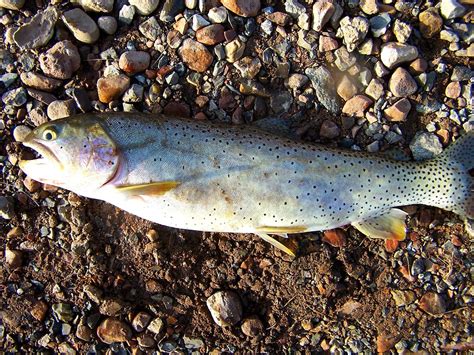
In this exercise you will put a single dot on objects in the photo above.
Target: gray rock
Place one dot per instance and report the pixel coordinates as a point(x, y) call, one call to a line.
point(126, 14)
point(170, 9)
point(38, 31)
point(425, 146)
point(7, 79)
point(281, 102)
point(294, 8)
point(197, 22)
point(379, 24)
point(61, 60)
point(451, 9)
point(393, 54)
point(465, 31)
point(225, 308)
point(108, 24)
point(323, 84)
point(96, 5)
point(344, 59)
point(81, 25)
point(7, 210)
point(15, 97)
point(353, 31)
point(12, 4)
point(133, 94)
point(40, 82)
point(6, 59)
point(41, 96)
point(150, 29)
point(61, 108)
point(144, 7)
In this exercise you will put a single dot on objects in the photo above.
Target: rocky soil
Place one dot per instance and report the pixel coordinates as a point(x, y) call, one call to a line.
point(391, 77)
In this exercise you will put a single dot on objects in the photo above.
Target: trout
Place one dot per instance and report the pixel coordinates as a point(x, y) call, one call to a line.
point(221, 178)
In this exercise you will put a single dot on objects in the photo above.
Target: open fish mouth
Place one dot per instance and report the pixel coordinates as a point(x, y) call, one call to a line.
point(44, 169)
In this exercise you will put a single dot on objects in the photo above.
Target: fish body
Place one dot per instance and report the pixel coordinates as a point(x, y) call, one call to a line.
point(202, 176)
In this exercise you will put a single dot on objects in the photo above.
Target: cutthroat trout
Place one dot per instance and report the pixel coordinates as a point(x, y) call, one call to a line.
point(203, 176)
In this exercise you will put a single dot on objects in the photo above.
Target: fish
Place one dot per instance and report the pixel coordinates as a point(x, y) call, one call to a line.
point(201, 175)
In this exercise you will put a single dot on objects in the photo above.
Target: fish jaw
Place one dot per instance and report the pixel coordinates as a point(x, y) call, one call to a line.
point(47, 170)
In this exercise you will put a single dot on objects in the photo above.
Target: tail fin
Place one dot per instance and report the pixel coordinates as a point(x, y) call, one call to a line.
point(458, 159)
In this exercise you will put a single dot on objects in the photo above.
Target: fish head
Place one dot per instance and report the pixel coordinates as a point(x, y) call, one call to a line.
point(77, 154)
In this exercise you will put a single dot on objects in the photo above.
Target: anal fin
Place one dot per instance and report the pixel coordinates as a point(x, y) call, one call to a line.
point(277, 244)
point(150, 189)
point(282, 230)
point(390, 225)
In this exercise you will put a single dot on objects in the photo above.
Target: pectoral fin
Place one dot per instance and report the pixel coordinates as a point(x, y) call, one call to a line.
point(150, 189)
point(387, 226)
point(277, 244)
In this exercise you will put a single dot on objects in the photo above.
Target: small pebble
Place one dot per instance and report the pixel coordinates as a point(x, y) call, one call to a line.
point(225, 308)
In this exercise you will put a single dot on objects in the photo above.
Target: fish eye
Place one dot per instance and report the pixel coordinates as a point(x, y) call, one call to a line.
point(49, 134)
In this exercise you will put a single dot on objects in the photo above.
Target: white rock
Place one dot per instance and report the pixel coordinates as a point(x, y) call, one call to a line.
point(217, 14)
point(402, 31)
point(393, 54)
point(81, 25)
point(144, 7)
point(126, 14)
point(451, 9)
point(225, 308)
point(197, 22)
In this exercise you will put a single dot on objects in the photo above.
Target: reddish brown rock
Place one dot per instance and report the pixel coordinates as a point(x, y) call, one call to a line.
point(211, 35)
point(39, 310)
point(433, 303)
point(453, 90)
point(280, 18)
point(177, 109)
point(329, 130)
point(357, 106)
point(113, 330)
point(398, 111)
point(195, 55)
point(252, 326)
point(112, 87)
point(40, 82)
point(335, 237)
point(402, 84)
point(245, 8)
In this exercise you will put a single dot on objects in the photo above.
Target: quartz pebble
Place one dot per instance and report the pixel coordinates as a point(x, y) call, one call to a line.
point(353, 31)
point(225, 308)
point(61, 60)
point(81, 25)
point(217, 14)
point(451, 9)
point(234, 50)
point(393, 54)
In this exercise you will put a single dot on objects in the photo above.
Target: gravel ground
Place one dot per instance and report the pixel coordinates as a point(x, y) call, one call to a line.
point(393, 77)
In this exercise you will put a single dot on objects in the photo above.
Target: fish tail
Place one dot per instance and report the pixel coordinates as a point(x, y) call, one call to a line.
point(457, 170)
